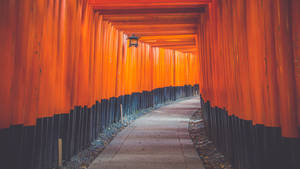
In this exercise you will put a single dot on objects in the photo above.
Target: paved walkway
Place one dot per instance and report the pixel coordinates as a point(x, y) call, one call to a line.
point(157, 140)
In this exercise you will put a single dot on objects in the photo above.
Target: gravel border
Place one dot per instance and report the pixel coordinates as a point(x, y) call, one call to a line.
point(212, 159)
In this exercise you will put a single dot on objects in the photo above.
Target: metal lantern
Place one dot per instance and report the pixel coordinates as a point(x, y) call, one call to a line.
point(133, 41)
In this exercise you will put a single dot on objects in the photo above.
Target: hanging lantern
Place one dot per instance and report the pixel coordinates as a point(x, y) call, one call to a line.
point(133, 41)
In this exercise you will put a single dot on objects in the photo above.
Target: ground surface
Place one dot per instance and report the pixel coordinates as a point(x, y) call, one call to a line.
point(212, 158)
point(157, 140)
point(84, 158)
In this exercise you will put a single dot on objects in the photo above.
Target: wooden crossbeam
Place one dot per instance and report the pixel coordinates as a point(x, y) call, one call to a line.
point(168, 24)
point(151, 12)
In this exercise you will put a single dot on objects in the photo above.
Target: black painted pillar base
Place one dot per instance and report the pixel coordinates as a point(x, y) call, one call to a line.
point(36, 147)
point(250, 146)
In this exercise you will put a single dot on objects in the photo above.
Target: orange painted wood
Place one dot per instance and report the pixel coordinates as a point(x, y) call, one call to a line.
point(155, 19)
point(249, 61)
point(134, 4)
point(152, 11)
point(295, 23)
point(59, 54)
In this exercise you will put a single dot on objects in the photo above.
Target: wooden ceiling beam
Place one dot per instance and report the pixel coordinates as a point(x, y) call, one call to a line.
point(147, 4)
point(170, 41)
point(158, 6)
point(181, 47)
point(151, 15)
point(169, 37)
point(149, 1)
point(186, 42)
point(160, 33)
point(172, 45)
point(154, 26)
point(163, 29)
point(153, 22)
point(143, 18)
point(151, 12)
point(168, 24)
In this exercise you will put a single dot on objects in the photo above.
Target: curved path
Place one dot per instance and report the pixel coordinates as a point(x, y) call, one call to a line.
point(157, 140)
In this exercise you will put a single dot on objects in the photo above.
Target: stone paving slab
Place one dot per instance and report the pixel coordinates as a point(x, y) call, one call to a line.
point(158, 140)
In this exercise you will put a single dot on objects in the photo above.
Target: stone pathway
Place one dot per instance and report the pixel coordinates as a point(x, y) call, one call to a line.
point(158, 140)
